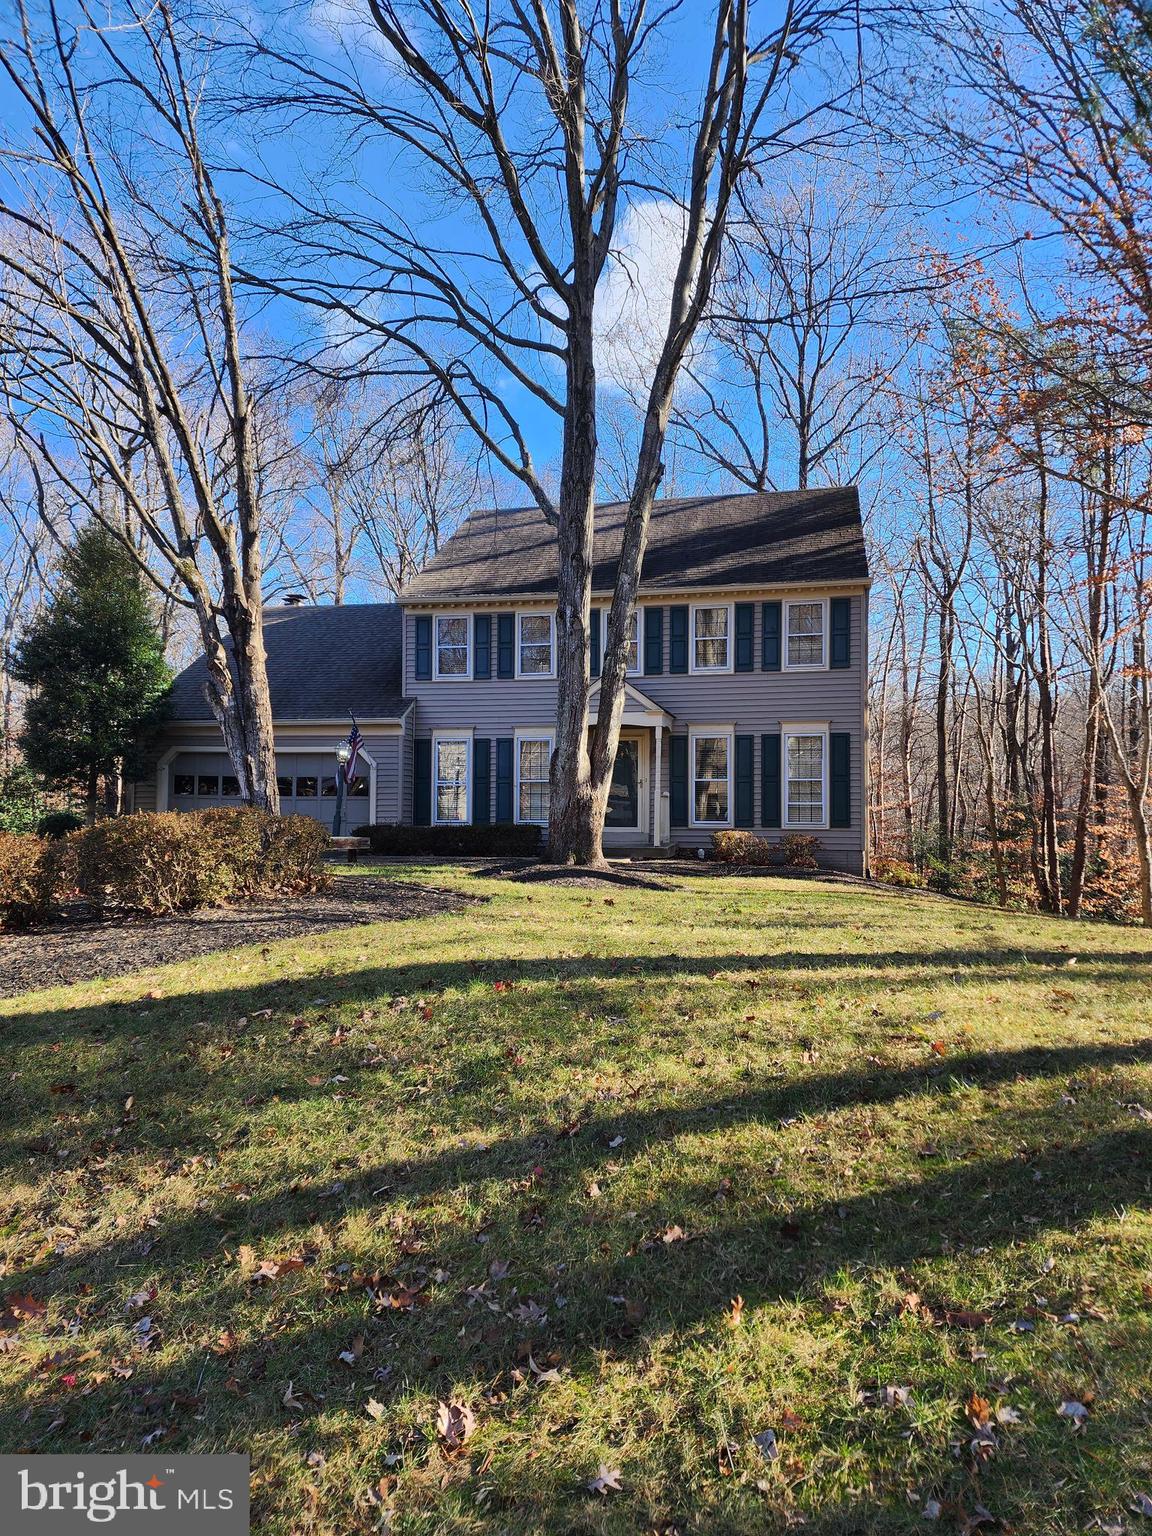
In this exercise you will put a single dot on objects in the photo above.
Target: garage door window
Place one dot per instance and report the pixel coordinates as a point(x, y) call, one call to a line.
point(305, 788)
point(184, 784)
point(230, 786)
point(284, 785)
point(358, 787)
point(207, 784)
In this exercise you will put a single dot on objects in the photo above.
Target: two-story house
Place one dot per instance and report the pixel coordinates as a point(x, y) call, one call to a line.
point(746, 693)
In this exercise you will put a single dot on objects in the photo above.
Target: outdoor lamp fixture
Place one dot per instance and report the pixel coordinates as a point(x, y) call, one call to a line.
point(343, 753)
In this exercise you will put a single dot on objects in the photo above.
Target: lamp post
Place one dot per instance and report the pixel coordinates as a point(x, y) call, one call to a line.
point(343, 753)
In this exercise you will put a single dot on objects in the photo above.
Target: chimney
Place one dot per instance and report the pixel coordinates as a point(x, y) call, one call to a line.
point(294, 599)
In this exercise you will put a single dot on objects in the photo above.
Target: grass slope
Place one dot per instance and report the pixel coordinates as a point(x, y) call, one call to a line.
point(524, 1160)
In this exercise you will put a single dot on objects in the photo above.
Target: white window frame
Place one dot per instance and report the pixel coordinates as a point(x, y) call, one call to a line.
point(710, 671)
point(788, 730)
point(528, 734)
point(453, 736)
point(699, 733)
point(536, 613)
point(638, 669)
point(806, 666)
point(452, 677)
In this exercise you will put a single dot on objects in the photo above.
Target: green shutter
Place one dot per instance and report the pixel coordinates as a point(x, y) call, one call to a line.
point(422, 784)
point(595, 630)
point(653, 641)
point(840, 778)
point(840, 650)
point(678, 780)
point(678, 639)
point(505, 645)
point(745, 633)
point(745, 781)
point(770, 642)
point(482, 645)
point(481, 781)
point(770, 780)
point(504, 746)
point(423, 646)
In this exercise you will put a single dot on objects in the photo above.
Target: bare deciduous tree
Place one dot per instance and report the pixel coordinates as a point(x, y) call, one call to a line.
point(122, 341)
point(521, 119)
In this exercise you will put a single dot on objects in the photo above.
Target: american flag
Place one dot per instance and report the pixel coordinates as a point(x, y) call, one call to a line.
point(355, 742)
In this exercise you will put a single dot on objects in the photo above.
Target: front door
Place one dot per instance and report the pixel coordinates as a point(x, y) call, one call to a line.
point(628, 797)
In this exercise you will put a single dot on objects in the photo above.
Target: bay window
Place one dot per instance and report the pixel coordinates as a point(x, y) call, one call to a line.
point(711, 778)
point(805, 770)
point(451, 759)
point(805, 634)
point(452, 649)
point(534, 648)
point(533, 756)
point(711, 647)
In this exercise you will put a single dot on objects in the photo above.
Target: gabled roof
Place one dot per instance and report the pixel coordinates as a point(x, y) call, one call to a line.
point(759, 539)
point(323, 663)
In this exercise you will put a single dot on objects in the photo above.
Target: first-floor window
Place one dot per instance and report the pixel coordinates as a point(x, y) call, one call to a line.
point(805, 770)
point(533, 756)
point(710, 758)
point(450, 770)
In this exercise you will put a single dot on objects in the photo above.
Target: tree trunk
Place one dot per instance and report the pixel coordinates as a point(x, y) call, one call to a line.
point(575, 819)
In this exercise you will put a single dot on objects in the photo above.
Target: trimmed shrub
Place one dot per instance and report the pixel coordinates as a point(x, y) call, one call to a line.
point(292, 856)
point(157, 863)
point(743, 848)
point(22, 887)
point(501, 839)
point(59, 823)
point(799, 850)
point(169, 861)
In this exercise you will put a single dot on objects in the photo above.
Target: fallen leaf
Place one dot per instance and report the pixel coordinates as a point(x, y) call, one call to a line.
point(350, 1355)
point(765, 1443)
point(734, 1316)
point(1142, 1505)
point(1075, 1412)
point(374, 1410)
point(673, 1235)
point(454, 1424)
point(606, 1478)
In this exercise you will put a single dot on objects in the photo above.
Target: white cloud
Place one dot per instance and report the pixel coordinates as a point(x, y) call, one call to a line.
point(635, 295)
point(347, 26)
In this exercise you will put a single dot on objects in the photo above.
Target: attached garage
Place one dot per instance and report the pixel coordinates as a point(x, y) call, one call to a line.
point(306, 781)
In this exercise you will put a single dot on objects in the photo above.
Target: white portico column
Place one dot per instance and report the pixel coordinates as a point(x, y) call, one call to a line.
point(658, 734)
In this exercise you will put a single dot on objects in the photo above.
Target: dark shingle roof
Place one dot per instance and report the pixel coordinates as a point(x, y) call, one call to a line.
point(322, 663)
point(765, 538)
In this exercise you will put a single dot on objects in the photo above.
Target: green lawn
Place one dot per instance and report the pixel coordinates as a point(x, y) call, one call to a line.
point(529, 1158)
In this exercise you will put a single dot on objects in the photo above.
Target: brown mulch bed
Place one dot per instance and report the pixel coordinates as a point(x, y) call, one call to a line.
point(81, 948)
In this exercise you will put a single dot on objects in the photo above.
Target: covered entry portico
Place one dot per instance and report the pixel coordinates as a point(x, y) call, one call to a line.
point(638, 800)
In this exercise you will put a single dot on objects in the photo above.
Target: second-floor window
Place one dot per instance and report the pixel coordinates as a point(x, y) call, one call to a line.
point(711, 642)
point(452, 659)
point(535, 645)
point(805, 634)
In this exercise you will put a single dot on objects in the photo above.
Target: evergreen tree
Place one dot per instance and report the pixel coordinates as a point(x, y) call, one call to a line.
point(93, 662)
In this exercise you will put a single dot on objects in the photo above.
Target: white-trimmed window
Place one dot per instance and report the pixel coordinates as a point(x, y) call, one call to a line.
point(534, 640)
point(710, 756)
point(451, 774)
point(633, 661)
point(533, 758)
point(452, 645)
point(805, 777)
point(804, 633)
point(712, 637)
